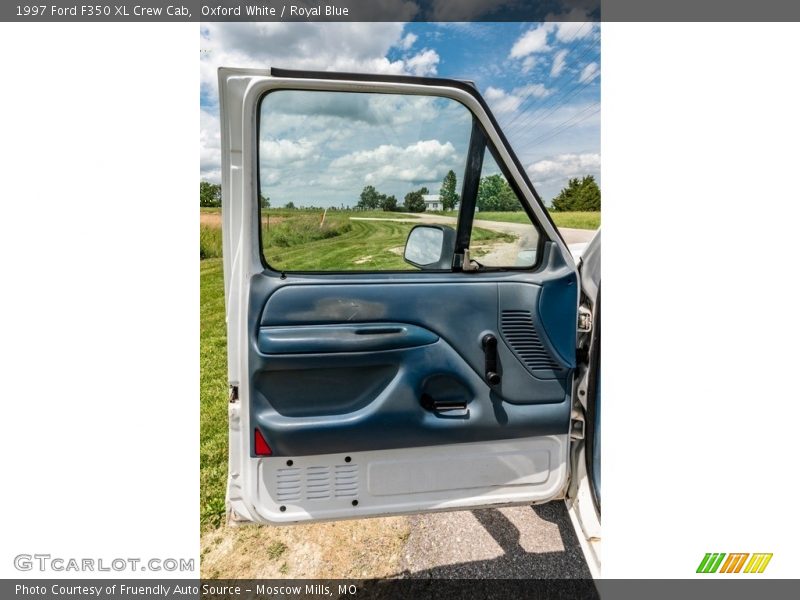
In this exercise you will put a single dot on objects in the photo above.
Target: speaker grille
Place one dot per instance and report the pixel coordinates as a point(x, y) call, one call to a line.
point(521, 335)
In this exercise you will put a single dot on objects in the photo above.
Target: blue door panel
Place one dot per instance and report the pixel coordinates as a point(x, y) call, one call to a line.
point(349, 402)
point(351, 363)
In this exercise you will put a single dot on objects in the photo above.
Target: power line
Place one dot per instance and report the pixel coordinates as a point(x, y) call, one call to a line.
point(566, 124)
point(525, 115)
point(574, 91)
point(572, 44)
point(562, 127)
point(557, 101)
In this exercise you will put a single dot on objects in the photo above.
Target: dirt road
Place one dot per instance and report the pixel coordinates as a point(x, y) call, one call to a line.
point(571, 236)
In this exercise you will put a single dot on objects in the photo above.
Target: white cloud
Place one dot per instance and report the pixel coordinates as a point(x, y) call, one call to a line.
point(565, 166)
point(506, 102)
point(322, 112)
point(209, 147)
point(559, 61)
point(402, 110)
point(286, 151)
point(588, 72)
point(567, 31)
point(407, 41)
point(528, 63)
point(546, 38)
point(537, 90)
point(501, 101)
point(423, 63)
point(270, 176)
point(532, 41)
point(426, 160)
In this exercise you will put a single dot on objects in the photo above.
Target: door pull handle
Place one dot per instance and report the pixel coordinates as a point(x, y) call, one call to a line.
point(489, 343)
point(450, 408)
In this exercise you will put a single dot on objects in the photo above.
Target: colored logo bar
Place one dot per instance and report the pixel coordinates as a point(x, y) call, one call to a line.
point(714, 562)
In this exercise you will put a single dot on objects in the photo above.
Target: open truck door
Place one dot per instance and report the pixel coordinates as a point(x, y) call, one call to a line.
point(364, 387)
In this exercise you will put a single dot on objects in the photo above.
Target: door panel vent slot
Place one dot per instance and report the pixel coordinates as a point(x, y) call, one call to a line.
point(288, 484)
point(520, 333)
point(346, 481)
point(316, 483)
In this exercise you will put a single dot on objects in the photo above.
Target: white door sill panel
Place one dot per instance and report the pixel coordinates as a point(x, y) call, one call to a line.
point(415, 480)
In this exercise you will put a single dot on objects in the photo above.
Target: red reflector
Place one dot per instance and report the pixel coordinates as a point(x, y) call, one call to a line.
point(262, 447)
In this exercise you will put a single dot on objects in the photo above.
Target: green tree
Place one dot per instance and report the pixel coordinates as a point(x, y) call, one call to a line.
point(388, 203)
point(369, 199)
point(263, 201)
point(210, 194)
point(494, 194)
point(580, 194)
point(414, 201)
point(448, 192)
point(290, 205)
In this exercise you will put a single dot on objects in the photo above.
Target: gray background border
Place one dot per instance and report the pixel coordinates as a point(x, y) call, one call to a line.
point(419, 10)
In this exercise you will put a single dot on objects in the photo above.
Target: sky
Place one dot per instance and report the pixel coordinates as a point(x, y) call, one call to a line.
point(542, 81)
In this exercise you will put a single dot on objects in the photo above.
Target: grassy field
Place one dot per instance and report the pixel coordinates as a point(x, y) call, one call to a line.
point(285, 212)
point(213, 394)
point(302, 242)
point(572, 220)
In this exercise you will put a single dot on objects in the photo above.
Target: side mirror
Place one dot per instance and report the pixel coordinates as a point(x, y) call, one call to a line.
point(430, 247)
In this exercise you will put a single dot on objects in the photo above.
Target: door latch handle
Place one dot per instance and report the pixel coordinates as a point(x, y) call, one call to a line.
point(489, 343)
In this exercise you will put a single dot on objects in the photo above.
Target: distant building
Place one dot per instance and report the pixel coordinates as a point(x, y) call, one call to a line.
point(432, 202)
